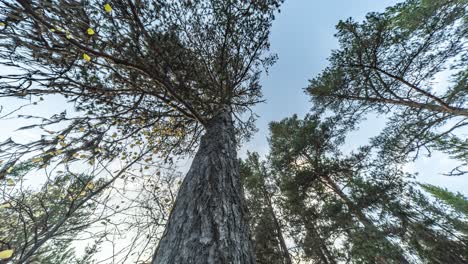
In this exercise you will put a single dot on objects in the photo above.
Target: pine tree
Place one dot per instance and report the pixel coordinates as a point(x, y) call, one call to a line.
point(152, 76)
point(456, 200)
point(268, 237)
point(387, 65)
point(357, 208)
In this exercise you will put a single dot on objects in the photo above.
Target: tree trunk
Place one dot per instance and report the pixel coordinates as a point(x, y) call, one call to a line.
point(322, 250)
point(208, 223)
point(279, 231)
point(361, 217)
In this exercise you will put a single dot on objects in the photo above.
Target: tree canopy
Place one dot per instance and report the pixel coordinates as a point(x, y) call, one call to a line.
point(150, 72)
point(146, 82)
point(389, 63)
point(354, 208)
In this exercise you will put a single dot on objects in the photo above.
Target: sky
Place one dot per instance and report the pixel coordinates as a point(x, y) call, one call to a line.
point(302, 37)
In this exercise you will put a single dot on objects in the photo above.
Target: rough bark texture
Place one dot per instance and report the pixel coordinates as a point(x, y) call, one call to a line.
point(208, 222)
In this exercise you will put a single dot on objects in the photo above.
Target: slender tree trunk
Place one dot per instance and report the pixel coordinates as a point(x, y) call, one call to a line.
point(208, 223)
point(319, 245)
point(359, 215)
point(325, 255)
point(279, 231)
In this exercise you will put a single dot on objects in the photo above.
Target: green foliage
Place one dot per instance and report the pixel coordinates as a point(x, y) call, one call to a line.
point(267, 248)
point(456, 200)
point(357, 208)
point(434, 233)
point(269, 244)
point(389, 63)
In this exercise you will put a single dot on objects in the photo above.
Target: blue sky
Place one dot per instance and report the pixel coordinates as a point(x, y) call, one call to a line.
point(302, 36)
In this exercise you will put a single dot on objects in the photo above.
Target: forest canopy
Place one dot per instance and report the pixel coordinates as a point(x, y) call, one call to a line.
point(153, 101)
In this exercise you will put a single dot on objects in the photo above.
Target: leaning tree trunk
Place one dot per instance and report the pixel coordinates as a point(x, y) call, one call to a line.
point(363, 219)
point(208, 223)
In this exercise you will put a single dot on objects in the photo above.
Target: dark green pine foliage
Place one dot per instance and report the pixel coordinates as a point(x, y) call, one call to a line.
point(393, 64)
point(265, 241)
point(259, 186)
point(456, 200)
point(356, 208)
point(434, 233)
point(306, 155)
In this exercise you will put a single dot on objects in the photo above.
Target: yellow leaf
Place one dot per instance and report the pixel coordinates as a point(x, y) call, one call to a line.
point(10, 182)
point(59, 151)
point(37, 160)
point(90, 31)
point(2, 24)
point(83, 193)
point(76, 155)
point(108, 8)
point(6, 254)
point(86, 57)
point(68, 35)
point(81, 129)
point(61, 136)
point(5, 205)
point(114, 135)
point(9, 170)
point(63, 144)
point(52, 30)
point(90, 186)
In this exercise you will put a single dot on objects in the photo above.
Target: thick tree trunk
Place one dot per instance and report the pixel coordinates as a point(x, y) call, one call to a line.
point(208, 223)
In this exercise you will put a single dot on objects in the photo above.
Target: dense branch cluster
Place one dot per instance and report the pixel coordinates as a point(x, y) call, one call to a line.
point(145, 71)
point(390, 63)
point(354, 208)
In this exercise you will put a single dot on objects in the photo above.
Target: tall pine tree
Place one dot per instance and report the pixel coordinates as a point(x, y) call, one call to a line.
point(154, 76)
point(389, 64)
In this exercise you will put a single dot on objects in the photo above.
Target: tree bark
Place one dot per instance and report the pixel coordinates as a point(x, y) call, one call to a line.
point(208, 223)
